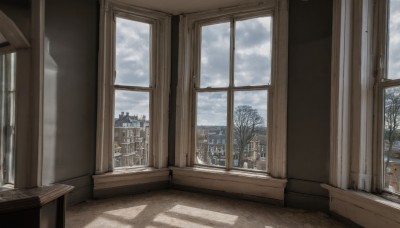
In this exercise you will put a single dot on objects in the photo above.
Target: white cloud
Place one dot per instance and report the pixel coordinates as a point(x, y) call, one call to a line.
point(215, 55)
point(252, 63)
point(132, 66)
point(132, 52)
point(253, 52)
point(252, 67)
point(211, 108)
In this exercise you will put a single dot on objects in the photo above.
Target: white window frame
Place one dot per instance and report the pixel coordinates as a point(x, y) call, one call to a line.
point(229, 89)
point(358, 70)
point(271, 184)
point(185, 91)
point(29, 94)
point(352, 95)
point(159, 96)
point(358, 67)
point(382, 82)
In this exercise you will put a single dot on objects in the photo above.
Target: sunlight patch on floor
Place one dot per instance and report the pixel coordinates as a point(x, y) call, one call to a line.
point(171, 221)
point(129, 213)
point(117, 218)
point(205, 214)
point(185, 216)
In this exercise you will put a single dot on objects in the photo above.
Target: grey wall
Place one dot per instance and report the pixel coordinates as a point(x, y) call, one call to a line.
point(310, 28)
point(70, 80)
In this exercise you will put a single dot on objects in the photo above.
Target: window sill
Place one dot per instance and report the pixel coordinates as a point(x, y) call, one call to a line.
point(129, 177)
point(238, 182)
point(6, 187)
point(365, 209)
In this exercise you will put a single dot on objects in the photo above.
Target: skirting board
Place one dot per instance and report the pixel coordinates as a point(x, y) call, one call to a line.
point(344, 220)
point(132, 177)
point(230, 195)
point(82, 189)
point(306, 201)
point(129, 190)
point(250, 184)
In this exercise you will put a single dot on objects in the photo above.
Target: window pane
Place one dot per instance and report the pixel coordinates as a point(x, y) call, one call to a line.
point(394, 40)
point(211, 128)
point(7, 118)
point(250, 130)
point(132, 53)
point(253, 52)
point(215, 46)
point(131, 129)
point(392, 139)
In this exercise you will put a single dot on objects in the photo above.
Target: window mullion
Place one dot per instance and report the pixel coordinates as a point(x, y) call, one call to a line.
point(229, 143)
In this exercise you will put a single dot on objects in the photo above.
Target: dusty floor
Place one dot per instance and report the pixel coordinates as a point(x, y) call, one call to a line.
point(172, 208)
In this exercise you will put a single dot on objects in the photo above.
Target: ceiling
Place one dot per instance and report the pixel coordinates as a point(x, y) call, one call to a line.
point(186, 6)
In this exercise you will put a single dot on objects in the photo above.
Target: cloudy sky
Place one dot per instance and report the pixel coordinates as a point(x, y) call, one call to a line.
point(394, 40)
point(252, 67)
point(132, 66)
point(212, 106)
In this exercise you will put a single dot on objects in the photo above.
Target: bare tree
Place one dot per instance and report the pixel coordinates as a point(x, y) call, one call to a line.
point(246, 119)
point(392, 119)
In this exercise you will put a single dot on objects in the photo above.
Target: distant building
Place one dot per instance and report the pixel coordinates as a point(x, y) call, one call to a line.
point(216, 146)
point(131, 140)
point(211, 148)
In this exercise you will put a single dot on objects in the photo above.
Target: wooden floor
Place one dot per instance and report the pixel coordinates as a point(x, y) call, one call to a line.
point(173, 208)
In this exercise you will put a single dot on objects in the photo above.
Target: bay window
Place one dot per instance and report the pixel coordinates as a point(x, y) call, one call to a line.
point(230, 103)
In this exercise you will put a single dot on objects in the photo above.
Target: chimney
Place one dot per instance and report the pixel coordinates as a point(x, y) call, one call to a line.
point(127, 113)
point(121, 115)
